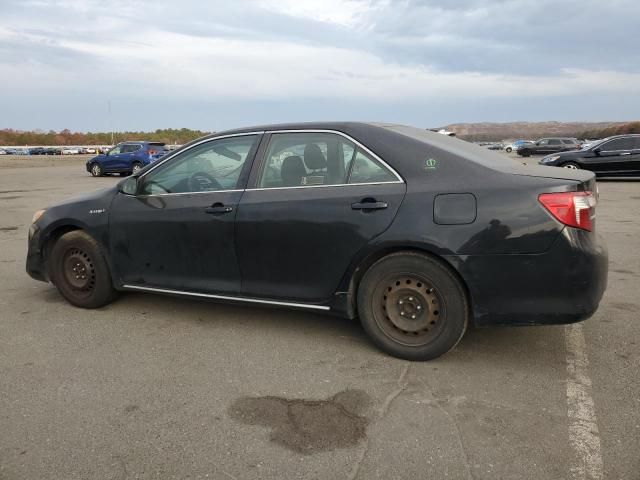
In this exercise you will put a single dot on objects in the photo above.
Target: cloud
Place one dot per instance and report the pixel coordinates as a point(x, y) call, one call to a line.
point(370, 52)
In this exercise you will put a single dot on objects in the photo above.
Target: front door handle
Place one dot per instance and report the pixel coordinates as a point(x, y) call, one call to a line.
point(218, 209)
point(369, 204)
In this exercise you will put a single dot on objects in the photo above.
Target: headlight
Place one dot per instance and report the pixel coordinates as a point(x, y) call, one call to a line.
point(552, 158)
point(37, 215)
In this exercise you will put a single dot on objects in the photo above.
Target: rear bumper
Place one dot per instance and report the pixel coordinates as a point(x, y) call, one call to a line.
point(563, 285)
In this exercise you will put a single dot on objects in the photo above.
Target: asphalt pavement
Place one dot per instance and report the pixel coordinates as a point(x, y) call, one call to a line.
point(159, 387)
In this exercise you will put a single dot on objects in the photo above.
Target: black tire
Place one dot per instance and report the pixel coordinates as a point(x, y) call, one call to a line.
point(508, 149)
point(96, 170)
point(412, 306)
point(136, 167)
point(525, 153)
point(571, 165)
point(79, 271)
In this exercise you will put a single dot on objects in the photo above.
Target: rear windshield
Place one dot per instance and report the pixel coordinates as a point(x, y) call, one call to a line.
point(462, 148)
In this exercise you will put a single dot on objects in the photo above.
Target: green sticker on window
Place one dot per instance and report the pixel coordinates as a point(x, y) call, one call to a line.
point(430, 163)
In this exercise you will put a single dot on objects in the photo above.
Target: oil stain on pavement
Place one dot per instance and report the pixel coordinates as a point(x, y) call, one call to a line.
point(308, 426)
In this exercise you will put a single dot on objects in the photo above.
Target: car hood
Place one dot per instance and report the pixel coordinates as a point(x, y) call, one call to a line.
point(97, 197)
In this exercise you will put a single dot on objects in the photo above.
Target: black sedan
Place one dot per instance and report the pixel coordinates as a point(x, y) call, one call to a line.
point(416, 233)
point(617, 156)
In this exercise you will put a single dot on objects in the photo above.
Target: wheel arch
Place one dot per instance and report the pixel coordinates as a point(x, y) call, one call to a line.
point(364, 264)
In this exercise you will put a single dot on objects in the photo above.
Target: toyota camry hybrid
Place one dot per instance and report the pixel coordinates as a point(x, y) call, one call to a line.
point(419, 235)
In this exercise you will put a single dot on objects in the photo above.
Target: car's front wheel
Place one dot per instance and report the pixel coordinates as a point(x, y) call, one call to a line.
point(80, 272)
point(96, 170)
point(412, 306)
point(508, 149)
point(571, 165)
point(136, 167)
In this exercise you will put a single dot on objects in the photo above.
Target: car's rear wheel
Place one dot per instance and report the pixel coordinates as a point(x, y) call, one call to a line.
point(571, 165)
point(508, 149)
point(96, 170)
point(525, 153)
point(136, 167)
point(412, 306)
point(80, 272)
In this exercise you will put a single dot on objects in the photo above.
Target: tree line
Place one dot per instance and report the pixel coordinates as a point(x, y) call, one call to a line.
point(66, 137)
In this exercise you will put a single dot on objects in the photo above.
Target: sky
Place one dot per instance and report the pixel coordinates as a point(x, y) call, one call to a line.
point(100, 65)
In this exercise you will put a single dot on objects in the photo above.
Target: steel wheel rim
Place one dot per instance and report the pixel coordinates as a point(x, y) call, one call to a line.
point(78, 271)
point(409, 309)
point(136, 168)
point(95, 170)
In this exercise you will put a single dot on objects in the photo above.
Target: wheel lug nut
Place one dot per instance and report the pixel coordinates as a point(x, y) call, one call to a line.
point(400, 302)
point(413, 317)
point(419, 307)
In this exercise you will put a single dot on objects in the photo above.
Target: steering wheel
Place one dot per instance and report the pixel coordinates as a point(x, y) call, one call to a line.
point(202, 182)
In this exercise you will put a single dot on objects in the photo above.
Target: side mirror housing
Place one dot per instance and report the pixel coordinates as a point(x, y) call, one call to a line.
point(128, 186)
point(597, 150)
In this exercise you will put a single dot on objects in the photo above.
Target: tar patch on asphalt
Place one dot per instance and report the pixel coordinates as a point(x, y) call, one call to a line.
point(308, 426)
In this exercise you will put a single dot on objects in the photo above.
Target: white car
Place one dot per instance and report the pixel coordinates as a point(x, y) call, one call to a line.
point(70, 151)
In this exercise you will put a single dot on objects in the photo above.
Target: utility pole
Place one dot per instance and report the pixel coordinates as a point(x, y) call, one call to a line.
point(110, 120)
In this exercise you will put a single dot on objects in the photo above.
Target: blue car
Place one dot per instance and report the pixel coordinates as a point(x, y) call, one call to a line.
point(126, 158)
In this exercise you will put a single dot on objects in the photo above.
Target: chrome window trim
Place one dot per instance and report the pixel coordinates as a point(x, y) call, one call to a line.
point(173, 154)
point(225, 297)
point(348, 137)
point(398, 180)
point(395, 182)
point(145, 195)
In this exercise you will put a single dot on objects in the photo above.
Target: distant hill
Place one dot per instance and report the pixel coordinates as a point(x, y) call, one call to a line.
point(527, 130)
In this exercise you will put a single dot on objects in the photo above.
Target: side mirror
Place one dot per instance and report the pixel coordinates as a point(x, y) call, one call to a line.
point(597, 150)
point(128, 186)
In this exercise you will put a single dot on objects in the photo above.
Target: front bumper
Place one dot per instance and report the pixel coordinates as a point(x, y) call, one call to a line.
point(563, 285)
point(36, 267)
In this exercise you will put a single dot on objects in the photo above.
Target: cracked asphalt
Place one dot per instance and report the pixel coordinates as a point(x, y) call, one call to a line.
point(158, 387)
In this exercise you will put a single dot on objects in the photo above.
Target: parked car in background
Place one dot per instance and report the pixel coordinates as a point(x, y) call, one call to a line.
point(36, 151)
point(548, 145)
point(495, 146)
point(404, 228)
point(52, 151)
point(70, 151)
point(17, 151)
point(617, 156)
point(3, 151)
point(513, 146)
point(125, 158)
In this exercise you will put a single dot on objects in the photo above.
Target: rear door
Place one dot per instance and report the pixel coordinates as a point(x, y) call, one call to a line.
point(315, 199)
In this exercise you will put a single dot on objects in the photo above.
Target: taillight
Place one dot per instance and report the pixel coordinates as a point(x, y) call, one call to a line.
point(574, 209)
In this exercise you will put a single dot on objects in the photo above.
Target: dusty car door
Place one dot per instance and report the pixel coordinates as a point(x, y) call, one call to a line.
point(614, 157)
point(315, 199)
point(178, 231)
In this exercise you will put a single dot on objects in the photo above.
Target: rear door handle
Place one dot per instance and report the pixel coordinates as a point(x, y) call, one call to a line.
point(218, 209)
point(369, 205)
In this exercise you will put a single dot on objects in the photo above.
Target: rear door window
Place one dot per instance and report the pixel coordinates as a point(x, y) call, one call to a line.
point(555, 142)
point(305, 159)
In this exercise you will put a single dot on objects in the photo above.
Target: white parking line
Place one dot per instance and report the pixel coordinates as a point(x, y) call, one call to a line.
point(583, 424)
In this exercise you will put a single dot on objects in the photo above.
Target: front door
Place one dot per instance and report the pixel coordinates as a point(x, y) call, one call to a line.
point(317, 198)
point(178, 232)
point(614, 157)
